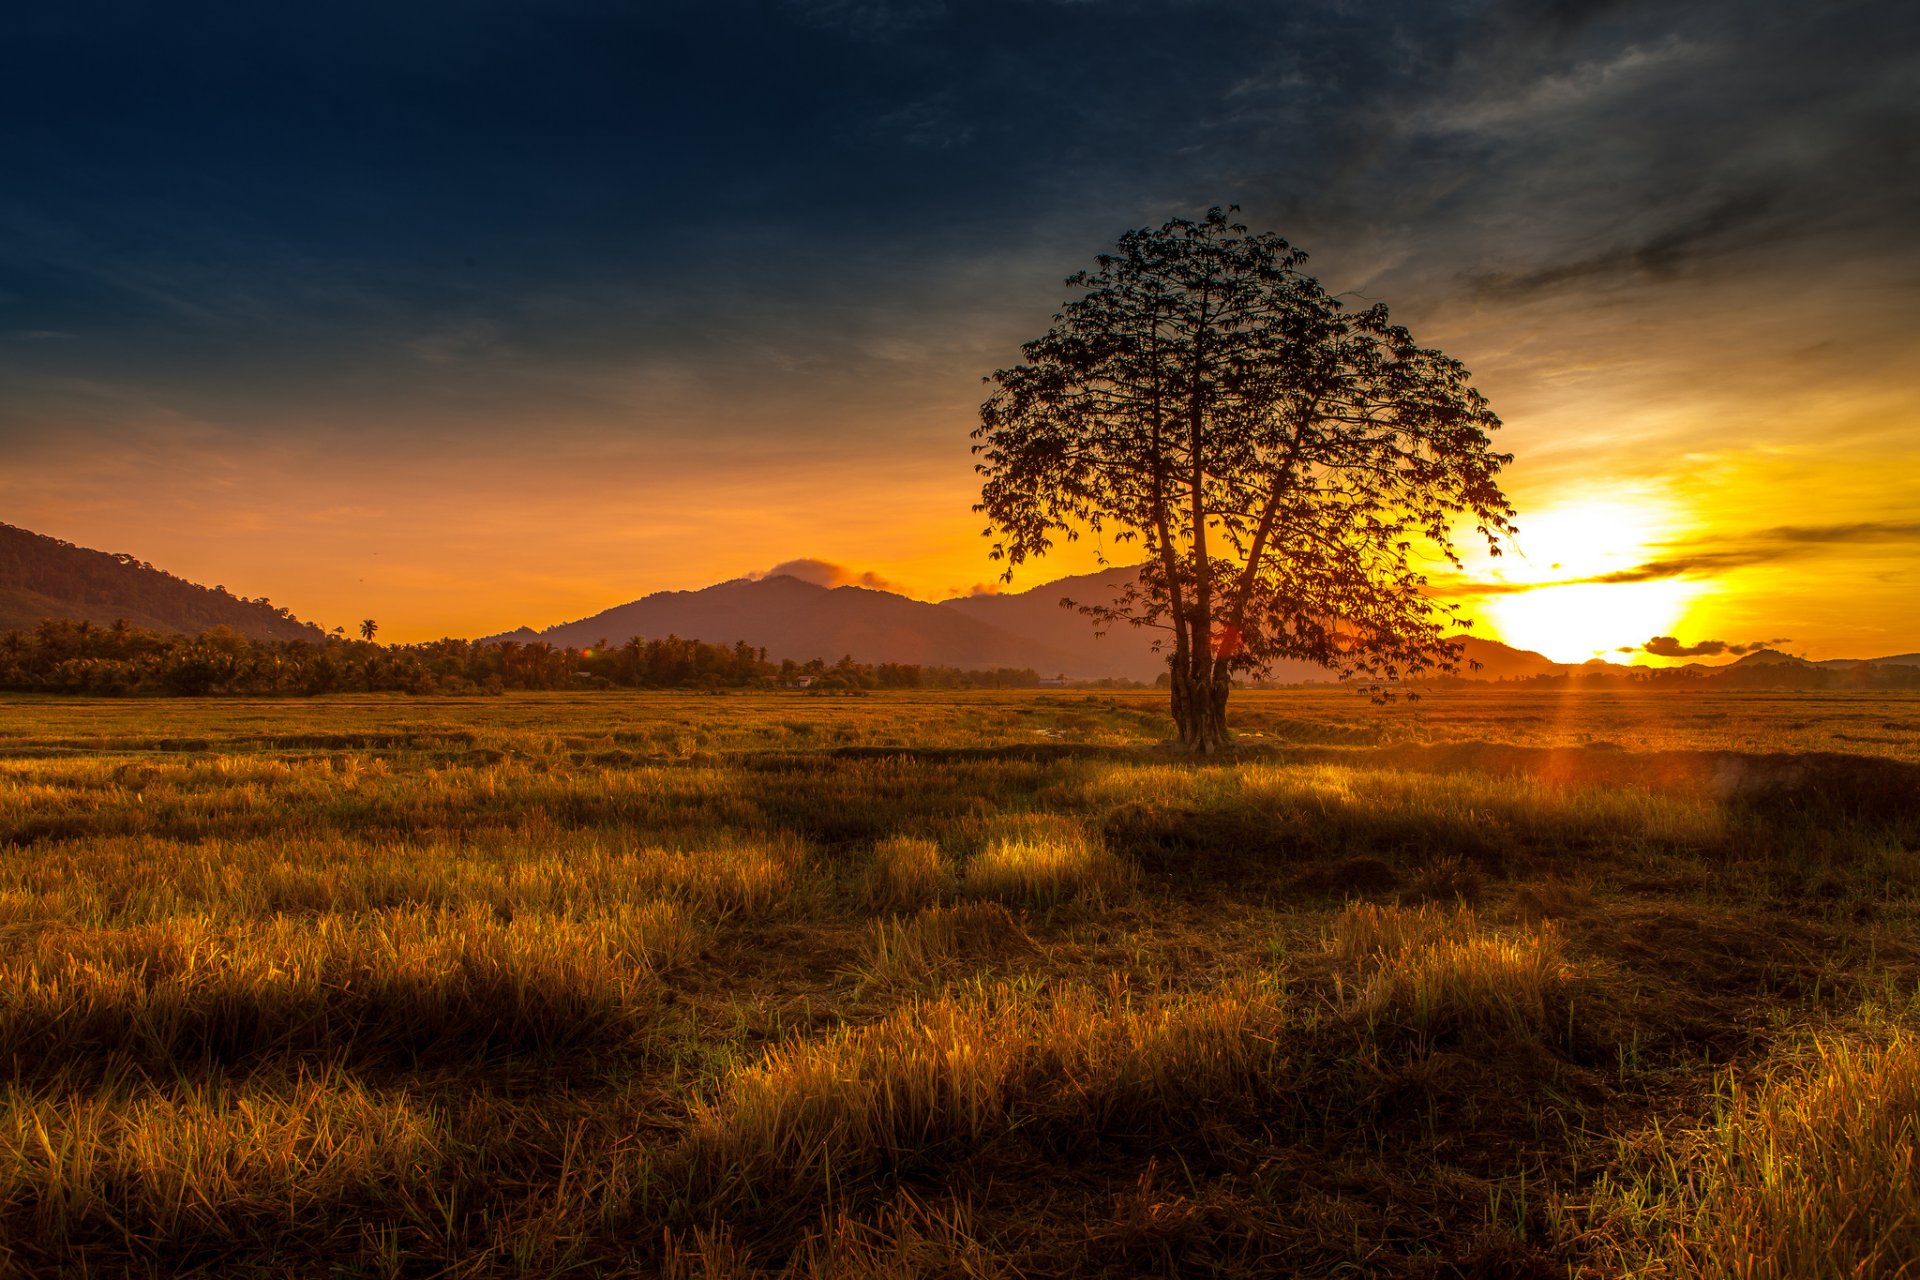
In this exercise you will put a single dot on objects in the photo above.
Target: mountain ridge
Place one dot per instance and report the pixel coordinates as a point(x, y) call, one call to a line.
point(43, 577)
point(798, 620)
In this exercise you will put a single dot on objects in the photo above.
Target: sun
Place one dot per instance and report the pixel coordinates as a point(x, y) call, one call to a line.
point(1551, 594)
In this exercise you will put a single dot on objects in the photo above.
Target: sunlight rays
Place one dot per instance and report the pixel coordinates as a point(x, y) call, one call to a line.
point(1568, 592)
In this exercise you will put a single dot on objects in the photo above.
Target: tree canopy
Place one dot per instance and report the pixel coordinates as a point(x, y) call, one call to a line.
point(1286, 465)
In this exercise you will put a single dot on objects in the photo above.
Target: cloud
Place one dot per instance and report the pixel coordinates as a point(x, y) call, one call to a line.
point(1861, 531)
point(1670, 647)
point(1762, 546)
point(466, 340)
point(1662, 255)
point(825, 573)
point(1651, 571)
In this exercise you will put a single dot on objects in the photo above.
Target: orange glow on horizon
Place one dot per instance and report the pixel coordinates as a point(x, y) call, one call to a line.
point(1551, 594)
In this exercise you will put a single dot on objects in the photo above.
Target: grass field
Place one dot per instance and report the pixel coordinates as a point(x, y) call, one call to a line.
point(1492, 984)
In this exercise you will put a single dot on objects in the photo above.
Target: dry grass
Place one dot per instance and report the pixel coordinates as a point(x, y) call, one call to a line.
point(959, 1072)
point(1810, 1172)
point(907, 1240)
point(906, 874)
point(1045, 871)
point(742, 875)
point(1436, 972)
point(388, 987)
point(941, 985)
point(901, 954)
point(209, 1160)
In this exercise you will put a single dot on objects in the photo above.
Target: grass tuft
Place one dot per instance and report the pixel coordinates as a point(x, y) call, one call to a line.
point(1437, 973)
point(206, 1161)
point(905, 875)
point(734, 876)
point(904, 953)
point(1047, 871)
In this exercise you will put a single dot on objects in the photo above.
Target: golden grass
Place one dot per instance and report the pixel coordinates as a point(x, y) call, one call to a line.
point(210, 1159)
point(670, 724)
point(906, 1240)
point(386, 986)
point(957, 1072)
point(744, 875)
point(1045, 871)
point(906, 874)
point(539, 986)
point(902, 953)
point(1435, 971)
point(1811, 1172)
point(1368, 932)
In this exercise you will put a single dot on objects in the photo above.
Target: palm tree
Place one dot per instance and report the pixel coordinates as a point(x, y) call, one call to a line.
point(368, 628)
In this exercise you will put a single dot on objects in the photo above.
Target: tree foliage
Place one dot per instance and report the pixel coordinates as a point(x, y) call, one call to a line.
point(1288, 466)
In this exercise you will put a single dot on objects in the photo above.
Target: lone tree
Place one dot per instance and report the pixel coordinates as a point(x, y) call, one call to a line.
point(368, 629)
point(1285, 465)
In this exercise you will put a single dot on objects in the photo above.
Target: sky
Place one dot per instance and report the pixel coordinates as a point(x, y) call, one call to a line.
point(467, 316)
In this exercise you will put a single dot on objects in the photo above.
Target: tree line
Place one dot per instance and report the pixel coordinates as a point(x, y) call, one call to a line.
point(61, 656)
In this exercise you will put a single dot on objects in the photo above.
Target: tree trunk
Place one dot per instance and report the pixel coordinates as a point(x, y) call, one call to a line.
point(1200, 710)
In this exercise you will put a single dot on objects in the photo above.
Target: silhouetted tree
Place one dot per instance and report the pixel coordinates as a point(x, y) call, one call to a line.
point(1281, 461)
point(368, 629)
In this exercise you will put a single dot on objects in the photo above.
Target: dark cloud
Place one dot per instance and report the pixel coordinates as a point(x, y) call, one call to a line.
point(454, 217)
point(1650, 571)
point(1763, 546)
point(1724, 226)
point(1858, 531)
point(1670, 647)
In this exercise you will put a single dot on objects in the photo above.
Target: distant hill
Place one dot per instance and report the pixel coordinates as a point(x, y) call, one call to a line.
point(800, 620)
point(790, 618)
point(1504, 662)
point(1893, 660)
point(42, 577)
point(1768, 658)
point(1035, 615)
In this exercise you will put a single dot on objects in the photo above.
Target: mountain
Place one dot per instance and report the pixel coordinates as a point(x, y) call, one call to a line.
point(800, 620)
point(1767, 658)
point(42, 577)
point(1893, 660)
point(1504, 662)
point(790, 618)
point(1036, 615)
